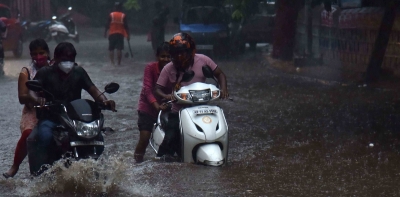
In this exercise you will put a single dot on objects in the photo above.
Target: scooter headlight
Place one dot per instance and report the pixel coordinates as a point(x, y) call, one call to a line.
point(200, 95)
point(184, 96)
point(215, 94)
point(87, 130)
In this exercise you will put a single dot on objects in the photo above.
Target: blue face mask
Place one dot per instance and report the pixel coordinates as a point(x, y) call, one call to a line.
point(66, 66)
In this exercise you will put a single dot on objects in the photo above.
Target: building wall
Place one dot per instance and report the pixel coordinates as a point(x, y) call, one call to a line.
point(345, 38)
point(32, 10)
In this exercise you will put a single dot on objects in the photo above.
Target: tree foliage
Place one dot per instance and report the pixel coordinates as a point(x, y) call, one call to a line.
point(132, 4)
point(242, 8)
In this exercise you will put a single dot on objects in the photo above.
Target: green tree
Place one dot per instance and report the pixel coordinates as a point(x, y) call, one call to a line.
point(243, 8)
point(132, 4)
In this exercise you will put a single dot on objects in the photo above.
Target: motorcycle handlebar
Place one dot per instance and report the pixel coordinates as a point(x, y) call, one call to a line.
point(47, 104)
point(102, 106)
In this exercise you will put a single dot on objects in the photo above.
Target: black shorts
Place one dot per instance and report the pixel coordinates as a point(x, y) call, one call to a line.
point(115, 41)
point(145, 122)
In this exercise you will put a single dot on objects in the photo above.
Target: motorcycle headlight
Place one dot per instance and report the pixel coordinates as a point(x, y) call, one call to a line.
point(87, 130)
point(200, 95)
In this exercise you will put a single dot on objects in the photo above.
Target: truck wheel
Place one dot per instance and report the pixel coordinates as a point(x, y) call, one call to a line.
point(18, 51)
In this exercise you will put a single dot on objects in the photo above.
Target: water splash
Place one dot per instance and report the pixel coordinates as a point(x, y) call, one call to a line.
point(85, 177)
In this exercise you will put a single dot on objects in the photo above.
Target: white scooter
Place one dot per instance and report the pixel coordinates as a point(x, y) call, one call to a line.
point(203, 128)
point(64, 28)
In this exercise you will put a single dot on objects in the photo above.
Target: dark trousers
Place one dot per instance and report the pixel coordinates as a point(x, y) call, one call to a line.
point(171, 143)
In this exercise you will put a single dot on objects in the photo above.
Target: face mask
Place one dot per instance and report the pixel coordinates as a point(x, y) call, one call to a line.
point(40, 60)
point(66, 67)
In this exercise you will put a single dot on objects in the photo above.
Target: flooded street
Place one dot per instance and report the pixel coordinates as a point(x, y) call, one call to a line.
point(288, 136)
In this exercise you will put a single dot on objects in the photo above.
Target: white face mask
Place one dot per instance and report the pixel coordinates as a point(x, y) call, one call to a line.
point(66, 66)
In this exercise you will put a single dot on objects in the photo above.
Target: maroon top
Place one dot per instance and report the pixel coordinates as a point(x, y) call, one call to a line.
point(147, 96)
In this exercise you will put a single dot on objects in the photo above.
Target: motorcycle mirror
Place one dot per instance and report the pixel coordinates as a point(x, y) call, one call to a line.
point(187, 76)
point(207, 72)
point(34, 85)
point(111, 87)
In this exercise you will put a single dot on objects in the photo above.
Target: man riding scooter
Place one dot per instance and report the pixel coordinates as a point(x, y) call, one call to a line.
point(184, 58)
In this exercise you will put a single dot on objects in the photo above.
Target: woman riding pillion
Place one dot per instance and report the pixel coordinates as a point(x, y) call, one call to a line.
point(40, 57)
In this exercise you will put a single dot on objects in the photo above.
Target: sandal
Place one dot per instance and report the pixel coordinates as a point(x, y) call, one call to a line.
point(6, 175)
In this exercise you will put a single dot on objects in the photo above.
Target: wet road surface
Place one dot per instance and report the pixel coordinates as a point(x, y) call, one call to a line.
point(288, 137)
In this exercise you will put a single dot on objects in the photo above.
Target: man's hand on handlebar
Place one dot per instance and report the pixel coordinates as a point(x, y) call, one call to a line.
point(164, 106)
point(40, 101)
point(169, 97)
point(224, 94)
point(110, 104)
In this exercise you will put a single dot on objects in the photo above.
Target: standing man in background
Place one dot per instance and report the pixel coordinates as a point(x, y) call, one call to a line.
point(159, 21)
point(117, 28)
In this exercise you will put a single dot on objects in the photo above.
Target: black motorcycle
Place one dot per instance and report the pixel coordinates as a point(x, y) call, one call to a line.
point(38, 29)
point(79, 134)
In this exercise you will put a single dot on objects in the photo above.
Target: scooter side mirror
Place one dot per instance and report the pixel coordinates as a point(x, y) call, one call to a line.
point(34, 85)
point(207, 72)
point(187, 76)
point(111, 87)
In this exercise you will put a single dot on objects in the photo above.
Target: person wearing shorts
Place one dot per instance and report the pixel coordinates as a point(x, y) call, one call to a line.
point(116, 41)
point(149, 105)
point(117, 28)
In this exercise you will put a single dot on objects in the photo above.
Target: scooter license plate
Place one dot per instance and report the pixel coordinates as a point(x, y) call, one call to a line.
point(54, 33)
point(205, 111)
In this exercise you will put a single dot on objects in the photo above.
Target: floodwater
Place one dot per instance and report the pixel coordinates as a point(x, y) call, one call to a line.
point(288, 137)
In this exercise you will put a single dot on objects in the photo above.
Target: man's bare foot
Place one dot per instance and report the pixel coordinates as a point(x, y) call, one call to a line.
point(11, 172)
point(138, 158)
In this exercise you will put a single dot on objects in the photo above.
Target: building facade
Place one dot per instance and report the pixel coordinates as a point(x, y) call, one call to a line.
point(33, 10)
